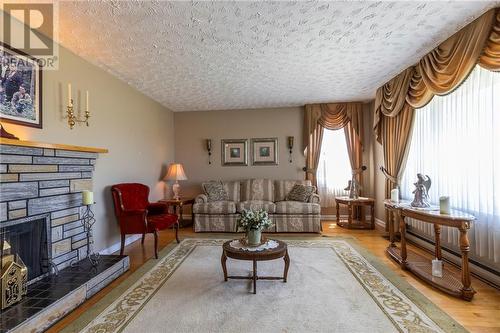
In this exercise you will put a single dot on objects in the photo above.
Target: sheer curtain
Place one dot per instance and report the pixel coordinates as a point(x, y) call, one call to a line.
point(456, 141)
point(334, 169)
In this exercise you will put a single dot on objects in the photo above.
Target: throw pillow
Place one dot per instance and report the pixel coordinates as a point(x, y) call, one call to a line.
point(300, 193)
point(215, 191)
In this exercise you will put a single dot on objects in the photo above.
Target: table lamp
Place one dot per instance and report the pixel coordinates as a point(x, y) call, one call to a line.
point(176, 172)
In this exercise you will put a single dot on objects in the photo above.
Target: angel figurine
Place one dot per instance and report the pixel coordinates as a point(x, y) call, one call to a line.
point(421, 191)
point(353, 186)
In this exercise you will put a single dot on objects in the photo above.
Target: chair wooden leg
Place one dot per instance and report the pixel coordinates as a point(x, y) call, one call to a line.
point(156, 244)
point(122, 248)
point(143, 237)
point(177, 232)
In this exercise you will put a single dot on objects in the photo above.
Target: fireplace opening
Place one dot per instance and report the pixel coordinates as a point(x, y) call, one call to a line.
point(29, 240)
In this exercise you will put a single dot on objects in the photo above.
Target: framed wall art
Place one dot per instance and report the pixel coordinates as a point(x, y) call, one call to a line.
point(20, 88)
point(264, 151)
point(234, 152)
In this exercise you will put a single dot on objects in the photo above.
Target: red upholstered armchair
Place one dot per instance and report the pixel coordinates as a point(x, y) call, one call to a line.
point(136, 215)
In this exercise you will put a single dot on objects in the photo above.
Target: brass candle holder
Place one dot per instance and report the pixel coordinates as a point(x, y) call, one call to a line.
point(72, 119)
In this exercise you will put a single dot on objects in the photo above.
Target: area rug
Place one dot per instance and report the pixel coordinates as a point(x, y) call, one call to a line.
point(331, 287)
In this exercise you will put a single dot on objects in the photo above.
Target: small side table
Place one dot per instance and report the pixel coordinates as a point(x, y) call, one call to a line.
point(351, 203)
point(178, 204)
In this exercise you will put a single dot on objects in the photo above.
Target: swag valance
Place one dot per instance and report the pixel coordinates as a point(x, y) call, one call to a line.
point(442, 70)
point(332, 116)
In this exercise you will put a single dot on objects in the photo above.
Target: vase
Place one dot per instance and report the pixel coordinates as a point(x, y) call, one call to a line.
point(253, 237)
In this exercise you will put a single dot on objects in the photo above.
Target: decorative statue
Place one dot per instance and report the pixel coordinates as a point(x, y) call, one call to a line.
point(353, 186)
point(421, 192)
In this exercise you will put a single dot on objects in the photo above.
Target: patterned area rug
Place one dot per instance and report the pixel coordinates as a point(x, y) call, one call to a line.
point(333, 286)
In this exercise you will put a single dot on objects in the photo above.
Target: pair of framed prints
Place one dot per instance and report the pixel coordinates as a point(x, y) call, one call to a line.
point(264, 151)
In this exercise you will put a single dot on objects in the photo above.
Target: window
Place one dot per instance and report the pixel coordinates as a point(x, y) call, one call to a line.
point(456, 141)
point(334, 169)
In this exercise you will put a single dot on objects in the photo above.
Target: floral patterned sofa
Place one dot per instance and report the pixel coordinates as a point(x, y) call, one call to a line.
point(288, 216)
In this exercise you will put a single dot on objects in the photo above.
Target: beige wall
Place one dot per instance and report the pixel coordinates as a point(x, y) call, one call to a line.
point(192, 128)
point(137, 131)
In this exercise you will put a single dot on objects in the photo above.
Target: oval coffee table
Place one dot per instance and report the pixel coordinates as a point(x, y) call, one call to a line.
point(280, 251)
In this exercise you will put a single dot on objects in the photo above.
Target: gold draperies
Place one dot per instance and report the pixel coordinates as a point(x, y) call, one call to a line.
point(438, 73)
point(332, 116)
point(442, 70)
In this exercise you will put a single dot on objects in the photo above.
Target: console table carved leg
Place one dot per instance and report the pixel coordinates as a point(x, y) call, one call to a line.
point(286, 258)
point(467, 291)
point(349, 216)
point(372, 216)
point(437, 237)
point(404, 255)
point(391, 232)
point(338, 213)
point(255, 276)
point(223, 260)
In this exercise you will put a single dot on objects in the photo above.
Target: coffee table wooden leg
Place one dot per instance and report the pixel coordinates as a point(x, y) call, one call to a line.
point(287, 265)
point(223, 260)
point(255, 276)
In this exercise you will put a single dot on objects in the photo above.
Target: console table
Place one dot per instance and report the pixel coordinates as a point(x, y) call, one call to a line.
point(458, 286)
point(352, 203)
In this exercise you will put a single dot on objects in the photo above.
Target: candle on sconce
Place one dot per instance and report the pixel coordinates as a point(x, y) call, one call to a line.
point(87, 198)
point(444, 205)
point(87, 100)
point(69, 94)
point(395, 195)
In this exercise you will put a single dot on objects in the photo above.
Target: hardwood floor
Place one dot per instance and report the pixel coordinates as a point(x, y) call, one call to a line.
point(480, 315)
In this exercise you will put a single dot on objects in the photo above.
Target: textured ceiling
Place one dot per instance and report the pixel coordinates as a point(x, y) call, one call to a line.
point(232, 55)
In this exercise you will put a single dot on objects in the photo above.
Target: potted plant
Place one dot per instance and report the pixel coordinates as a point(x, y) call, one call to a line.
point(253, 222)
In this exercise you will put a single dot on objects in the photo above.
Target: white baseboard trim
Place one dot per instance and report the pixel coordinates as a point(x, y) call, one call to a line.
point(325, 217)
point(116, 247)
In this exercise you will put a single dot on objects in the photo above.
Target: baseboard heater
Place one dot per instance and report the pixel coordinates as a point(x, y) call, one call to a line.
point(482, 272)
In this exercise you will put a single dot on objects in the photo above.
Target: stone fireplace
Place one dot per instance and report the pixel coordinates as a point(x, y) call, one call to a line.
point(40, 217)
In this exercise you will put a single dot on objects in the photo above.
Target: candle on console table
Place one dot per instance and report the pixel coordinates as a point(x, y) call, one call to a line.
point(444, 205)
point(88, 198)
point(69, 94)
point(87, 100)
point(395, 195)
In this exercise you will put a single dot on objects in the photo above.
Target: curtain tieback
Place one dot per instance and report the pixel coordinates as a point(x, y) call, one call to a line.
point(386, 173)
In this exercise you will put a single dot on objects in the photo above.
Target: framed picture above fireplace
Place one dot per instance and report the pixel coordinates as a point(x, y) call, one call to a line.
point(20, 88)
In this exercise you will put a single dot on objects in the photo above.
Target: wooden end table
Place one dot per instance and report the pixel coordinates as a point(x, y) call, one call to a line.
point(280, 251)
point(351, 203)
point(177, 204)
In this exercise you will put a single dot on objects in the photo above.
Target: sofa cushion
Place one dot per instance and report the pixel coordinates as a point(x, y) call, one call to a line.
point(300, 193)
point(268, 206)
point(283, 187)
point(257, 189)
point(215, 207)
point(295, 207)
point(215, 191)
point(233, 190)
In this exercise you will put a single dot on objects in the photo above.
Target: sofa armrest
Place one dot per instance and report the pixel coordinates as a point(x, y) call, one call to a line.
point(314, 198)
point(201, 198)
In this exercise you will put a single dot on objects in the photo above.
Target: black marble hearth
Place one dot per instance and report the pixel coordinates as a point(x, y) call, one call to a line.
point(50, 298)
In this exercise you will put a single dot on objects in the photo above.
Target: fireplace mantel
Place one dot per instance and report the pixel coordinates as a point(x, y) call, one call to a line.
point(36, 144)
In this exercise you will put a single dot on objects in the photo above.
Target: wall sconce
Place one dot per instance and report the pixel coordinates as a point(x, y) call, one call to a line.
point(209, 148)
point(72, 120)
point(290, 147)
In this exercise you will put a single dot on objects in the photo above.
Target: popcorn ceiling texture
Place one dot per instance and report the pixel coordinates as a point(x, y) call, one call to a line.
point(232, 55)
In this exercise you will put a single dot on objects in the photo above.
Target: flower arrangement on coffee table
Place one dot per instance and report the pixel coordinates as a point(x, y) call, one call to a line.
point(253, 222)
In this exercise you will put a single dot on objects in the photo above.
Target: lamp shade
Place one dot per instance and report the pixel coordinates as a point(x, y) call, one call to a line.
point(175, 172)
